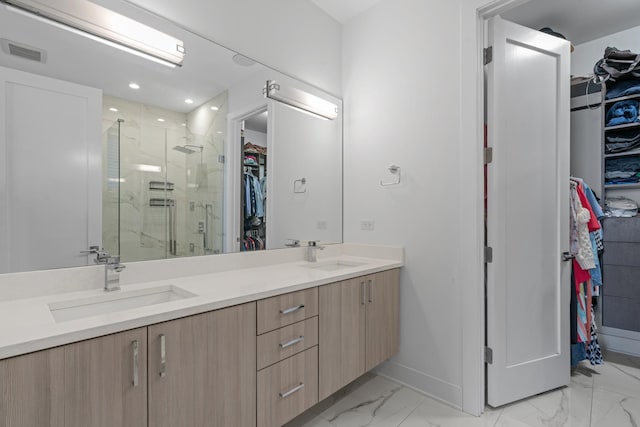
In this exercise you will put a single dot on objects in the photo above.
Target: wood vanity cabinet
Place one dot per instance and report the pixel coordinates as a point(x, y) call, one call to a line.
point(106, 381)
point(85, 384)
point(358, 329)
point(32, 389)
point(202, 370)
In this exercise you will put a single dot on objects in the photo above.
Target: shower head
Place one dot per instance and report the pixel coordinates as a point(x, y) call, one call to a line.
point(188, 148)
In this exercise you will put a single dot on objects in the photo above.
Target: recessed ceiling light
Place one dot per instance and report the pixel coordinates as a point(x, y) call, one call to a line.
point(219, 131)
point(134, 85)
point(214, 108)
point(115, 110)
point(183, 124)
point(161, 120)
point(243, 60)
point(188, 101)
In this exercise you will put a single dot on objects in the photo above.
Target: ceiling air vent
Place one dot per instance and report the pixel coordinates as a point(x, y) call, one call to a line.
point(23, 51)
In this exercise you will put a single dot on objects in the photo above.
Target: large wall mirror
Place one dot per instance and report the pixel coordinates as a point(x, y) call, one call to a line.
point(101, 147)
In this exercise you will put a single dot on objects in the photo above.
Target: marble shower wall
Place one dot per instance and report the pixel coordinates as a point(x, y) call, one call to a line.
point(206, 127)
point(146, 155)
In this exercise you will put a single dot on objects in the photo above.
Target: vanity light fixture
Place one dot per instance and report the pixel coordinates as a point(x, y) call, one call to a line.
point(134, 86)
point(105, 26)
point(301, 100)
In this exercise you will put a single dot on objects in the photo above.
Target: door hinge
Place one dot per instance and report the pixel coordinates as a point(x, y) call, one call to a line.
point(488, 155)
point(220, 158)
point(488, 254)
point(488, 355)
point(488, 55)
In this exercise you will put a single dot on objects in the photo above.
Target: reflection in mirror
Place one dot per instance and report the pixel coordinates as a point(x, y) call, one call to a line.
point(102, 147)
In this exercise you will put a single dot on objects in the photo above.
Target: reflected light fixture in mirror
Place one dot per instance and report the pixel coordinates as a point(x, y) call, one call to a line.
point(301, 100)
point(107, 27)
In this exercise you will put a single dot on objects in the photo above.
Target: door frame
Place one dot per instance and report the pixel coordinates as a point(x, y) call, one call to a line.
point(232, 171)
point(473, 20)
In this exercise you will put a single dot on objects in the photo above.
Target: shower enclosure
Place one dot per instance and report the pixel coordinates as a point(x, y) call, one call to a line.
point(162, 187)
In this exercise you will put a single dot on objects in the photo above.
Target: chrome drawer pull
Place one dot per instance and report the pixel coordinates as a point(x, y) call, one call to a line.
point(292, 342)
point(293, 390)
point(292, 309)
point(163, 355)
point(136, 362)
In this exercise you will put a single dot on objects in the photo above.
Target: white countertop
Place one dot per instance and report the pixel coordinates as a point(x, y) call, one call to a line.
point(27, 325)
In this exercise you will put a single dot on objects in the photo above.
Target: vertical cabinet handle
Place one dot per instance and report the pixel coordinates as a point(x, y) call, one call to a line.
point(370, 291)
point(362, 292)
point(136, 362)
point(163, 355)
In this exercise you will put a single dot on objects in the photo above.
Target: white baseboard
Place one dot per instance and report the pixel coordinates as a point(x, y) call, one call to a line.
point(619, 344)
point(449, 394)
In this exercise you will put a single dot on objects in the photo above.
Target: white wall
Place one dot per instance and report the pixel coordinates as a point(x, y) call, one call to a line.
point(587, 54)
point(403, 105)
point(256, 138)
point(292, 36)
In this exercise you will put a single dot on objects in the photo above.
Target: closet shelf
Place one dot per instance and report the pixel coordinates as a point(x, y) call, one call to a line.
point(635, 152)
point(622, 98)
point(621, 186)
point(625, 126)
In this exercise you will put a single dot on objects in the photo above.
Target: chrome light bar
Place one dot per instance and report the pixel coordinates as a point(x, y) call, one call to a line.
point(103, 25)
point(302, 100)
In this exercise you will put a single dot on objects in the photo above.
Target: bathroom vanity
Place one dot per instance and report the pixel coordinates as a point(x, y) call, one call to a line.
point(247, 347)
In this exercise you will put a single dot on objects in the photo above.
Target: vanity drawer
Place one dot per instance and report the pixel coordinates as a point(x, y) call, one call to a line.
point(287, 341)
point(287, 388)
point(275, 312)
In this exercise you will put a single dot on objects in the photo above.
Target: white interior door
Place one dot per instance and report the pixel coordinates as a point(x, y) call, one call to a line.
point(528, 212)
point(50, 179)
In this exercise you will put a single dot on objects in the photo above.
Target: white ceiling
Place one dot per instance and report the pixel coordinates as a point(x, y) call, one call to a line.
point(578, 20)
point(343, 10)
point(207, 71)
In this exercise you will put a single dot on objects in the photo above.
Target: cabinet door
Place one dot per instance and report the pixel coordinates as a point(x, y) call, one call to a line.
point(172, 347)
point(383, 316)
point(226, 368)
point(202, 370)
point(106, 381)
point(32, 390)
point(342, 334)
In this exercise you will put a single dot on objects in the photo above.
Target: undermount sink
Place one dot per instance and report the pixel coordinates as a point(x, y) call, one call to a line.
point(333, 265)
point(115, 301)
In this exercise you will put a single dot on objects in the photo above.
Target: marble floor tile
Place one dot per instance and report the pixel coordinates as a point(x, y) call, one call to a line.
point(612, 409)
point(598, 396)
point(618, 378)
point(432, 413)
point(377, 402)
point(566, 407)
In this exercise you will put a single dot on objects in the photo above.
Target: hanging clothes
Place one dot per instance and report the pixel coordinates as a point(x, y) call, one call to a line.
point(586, 232)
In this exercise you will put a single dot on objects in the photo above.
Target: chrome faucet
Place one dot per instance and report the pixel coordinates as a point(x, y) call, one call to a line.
point(112, 267)
point(311, 250)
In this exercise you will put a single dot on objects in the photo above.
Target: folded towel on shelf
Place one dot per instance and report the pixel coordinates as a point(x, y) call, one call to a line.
point(622, 112)
point(624, 87)
point(621, 141)
point(622, 170)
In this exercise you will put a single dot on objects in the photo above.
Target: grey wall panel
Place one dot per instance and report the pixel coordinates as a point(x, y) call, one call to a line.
point(622, 253)
point(621, 313)
point(621, 281)
point(621, 229)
